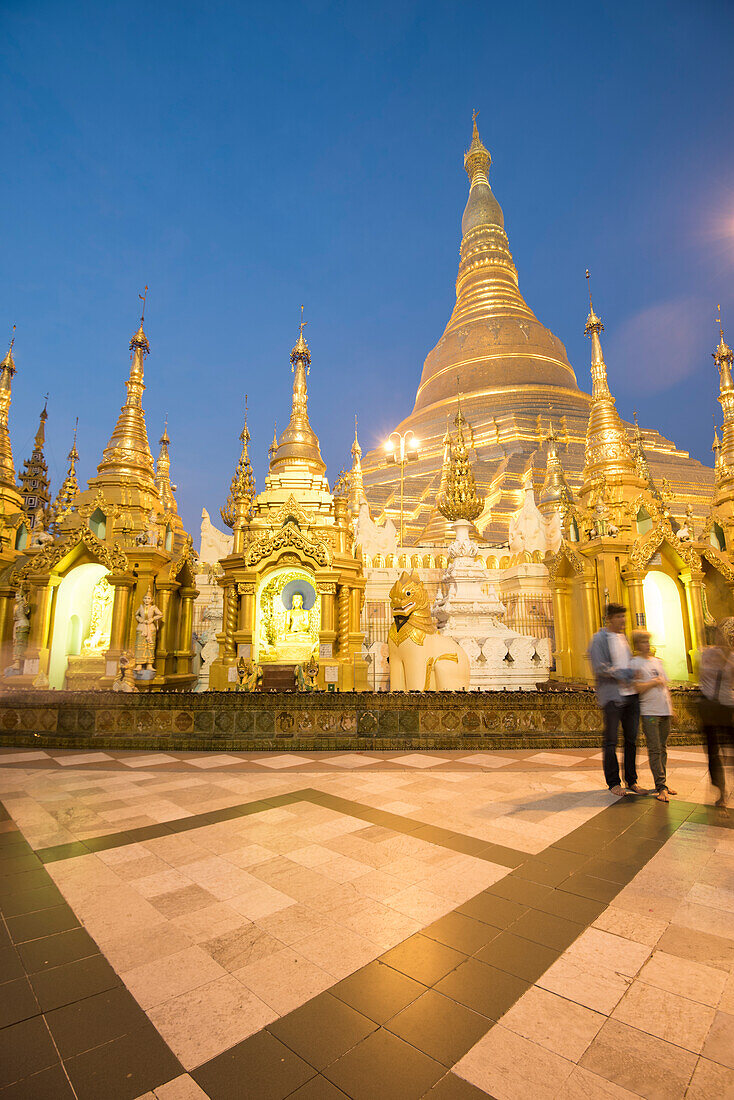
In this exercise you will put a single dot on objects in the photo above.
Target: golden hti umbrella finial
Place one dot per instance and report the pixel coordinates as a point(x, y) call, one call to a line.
point(356, 483)
point(555, 489)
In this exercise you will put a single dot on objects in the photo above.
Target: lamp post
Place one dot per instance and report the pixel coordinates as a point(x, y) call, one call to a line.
point(401, 449)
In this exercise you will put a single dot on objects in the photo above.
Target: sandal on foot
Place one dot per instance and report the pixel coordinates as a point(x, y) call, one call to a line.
point(662, 796)
point(670, 790)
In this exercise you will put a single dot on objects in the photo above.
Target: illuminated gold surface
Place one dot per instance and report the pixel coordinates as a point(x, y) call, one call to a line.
point(298, 442)
point(9, 496)
point(513, 374)
point(458, 499)
point(69, 490)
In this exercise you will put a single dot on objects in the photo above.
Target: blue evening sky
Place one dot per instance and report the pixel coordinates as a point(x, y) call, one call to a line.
point(243, 158)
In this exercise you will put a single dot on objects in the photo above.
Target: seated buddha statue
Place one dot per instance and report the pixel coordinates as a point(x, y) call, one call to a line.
point(296, 623)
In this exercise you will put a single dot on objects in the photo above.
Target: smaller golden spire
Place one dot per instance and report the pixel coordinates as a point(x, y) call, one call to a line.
point(273, 448)
point(69, 491)
point(476, 159)
point(40, 437)
point(459, 500)
point(592, 328)
point(356, 483)
point(242, 491)
point(7, 372)
point(555, 489)
point(724, 357)
point(163, 484)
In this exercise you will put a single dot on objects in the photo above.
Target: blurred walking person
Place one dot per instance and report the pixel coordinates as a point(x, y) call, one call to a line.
point(716, 669)
point(656, 709)
point(611, 660)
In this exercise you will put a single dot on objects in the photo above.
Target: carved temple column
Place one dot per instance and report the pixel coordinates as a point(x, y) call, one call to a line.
point(560, 592)
point(693, 584)
point(123, 585)
point(229, 624)
point(344, 602)
point(327, 591)
point(7, 600)
point(636, 596)
point(166, 641)
point(246, 590)
point(40, 600)
point(184, 650)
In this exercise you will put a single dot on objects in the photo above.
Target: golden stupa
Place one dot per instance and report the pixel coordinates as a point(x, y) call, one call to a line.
point(514, 374)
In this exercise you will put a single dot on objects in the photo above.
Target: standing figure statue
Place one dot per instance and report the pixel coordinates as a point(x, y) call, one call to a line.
point(148, 617)
point(21, 628)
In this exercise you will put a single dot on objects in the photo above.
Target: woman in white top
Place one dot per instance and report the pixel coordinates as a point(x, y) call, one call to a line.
point(656, 709)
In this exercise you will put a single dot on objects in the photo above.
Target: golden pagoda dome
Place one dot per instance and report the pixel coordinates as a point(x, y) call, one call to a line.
point(493, 339)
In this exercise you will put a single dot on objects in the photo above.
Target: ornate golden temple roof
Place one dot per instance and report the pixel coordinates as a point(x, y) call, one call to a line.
point(298, 444)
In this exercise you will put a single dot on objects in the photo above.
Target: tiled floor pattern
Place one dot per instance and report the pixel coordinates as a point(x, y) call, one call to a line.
point(362, 935)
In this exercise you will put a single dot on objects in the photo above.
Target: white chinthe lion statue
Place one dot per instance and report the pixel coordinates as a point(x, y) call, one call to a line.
point(421, 659)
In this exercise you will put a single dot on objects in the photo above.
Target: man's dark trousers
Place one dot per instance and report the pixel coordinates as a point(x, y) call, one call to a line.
point(627, 713)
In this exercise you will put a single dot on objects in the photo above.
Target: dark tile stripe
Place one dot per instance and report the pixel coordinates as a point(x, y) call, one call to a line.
point(466, 969)
point(68, 1026)
point(455, 842)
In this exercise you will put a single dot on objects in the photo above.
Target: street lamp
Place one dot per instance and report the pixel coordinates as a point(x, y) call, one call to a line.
point(402, 449)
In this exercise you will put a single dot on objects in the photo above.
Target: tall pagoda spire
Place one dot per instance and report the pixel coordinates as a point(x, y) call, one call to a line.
point(163, 475)
point(127, 458)
point(459, 500)
point(7, 466)
point(242, 490)
point(34, 483)
point(608, 453)
point(69, 491)
point(356, 485)
point(724, 357)
point(298, 444)
point(493, 338)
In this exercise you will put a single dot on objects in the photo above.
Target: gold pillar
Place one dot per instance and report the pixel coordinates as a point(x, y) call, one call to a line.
point(562, 653)
point(184, 651)
point(119, 630)
point(7, 598)
point(41, 591)
point(693, 584)
point(636, 600)
point(166, 642)
point(230, 620)
point(327, 592)
point(246, 590)
point(343, 620)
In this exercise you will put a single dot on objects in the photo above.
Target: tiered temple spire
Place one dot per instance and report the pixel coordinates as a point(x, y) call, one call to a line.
point(298, 444)
point(459, 500)
point(608, 454)
point(724, 357)
point(242, 490)
point(7, 466)
point(163, 475)
point(69, 491)
point(127, 458)
point(356, 485)
point(555, 491)
point(34, 482)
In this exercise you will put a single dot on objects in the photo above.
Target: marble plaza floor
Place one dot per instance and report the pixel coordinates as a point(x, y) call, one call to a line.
point(367, 925)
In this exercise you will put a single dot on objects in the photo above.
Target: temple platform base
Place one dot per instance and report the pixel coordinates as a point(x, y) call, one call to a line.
point(281, 721)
